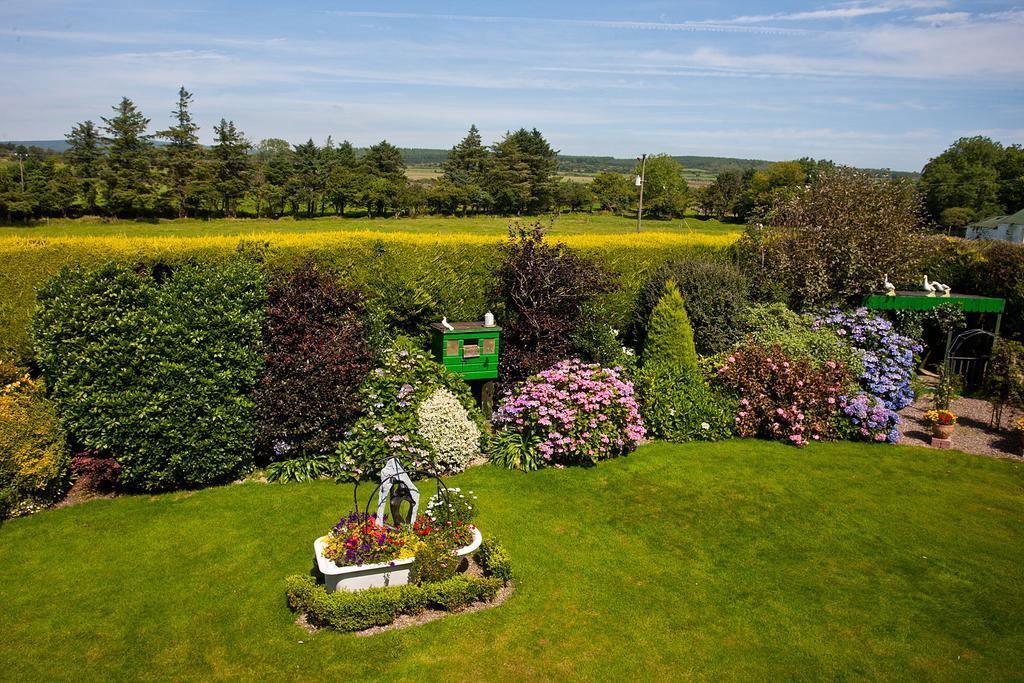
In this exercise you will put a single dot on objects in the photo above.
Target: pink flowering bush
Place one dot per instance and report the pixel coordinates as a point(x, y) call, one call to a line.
point(784, 398)
point(574, 412)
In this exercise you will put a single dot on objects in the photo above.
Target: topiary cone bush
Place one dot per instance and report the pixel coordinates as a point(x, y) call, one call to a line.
point(716, 294)
point(315, 358)
point(669, 335)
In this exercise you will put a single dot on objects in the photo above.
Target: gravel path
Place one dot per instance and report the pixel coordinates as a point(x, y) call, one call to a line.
point(972, 435)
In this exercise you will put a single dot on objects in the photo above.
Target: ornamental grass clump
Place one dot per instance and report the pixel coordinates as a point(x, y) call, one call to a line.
point(887, 356)
point(784, 398)
point(581, 413)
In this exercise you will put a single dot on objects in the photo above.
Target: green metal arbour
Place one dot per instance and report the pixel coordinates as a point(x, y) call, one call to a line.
point(919, 301)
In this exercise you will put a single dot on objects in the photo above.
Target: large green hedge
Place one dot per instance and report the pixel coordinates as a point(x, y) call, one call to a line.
point(416, 277)
point(156, 368)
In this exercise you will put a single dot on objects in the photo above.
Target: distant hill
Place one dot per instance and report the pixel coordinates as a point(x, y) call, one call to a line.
point(575, 163)
point(567, 163)
point(55, 145)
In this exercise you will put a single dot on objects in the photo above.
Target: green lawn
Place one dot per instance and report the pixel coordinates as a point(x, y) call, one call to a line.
point(566, 224)
point(743, 559)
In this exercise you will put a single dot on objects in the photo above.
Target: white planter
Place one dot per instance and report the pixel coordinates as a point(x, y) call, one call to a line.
point(393, 573)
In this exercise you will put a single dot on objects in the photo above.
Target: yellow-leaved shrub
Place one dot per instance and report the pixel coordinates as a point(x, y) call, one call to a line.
point(34, 463)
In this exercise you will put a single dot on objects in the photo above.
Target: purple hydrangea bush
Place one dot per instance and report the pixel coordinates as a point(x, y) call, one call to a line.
point(888, 356)
point(578, 412)
point(871, 419)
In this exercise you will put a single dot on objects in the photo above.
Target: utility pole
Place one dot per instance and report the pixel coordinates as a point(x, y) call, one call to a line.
point(21, 166)
point(640, 183)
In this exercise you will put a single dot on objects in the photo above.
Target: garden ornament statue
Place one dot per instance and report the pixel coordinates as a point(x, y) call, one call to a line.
point(890, 288)
point(929, 286)
point(446, 325)
point(397, 491)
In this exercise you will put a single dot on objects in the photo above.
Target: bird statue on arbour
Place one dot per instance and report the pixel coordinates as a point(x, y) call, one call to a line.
point(935, 286)
point(890, 288)
point(446, 325)
point(929, 286)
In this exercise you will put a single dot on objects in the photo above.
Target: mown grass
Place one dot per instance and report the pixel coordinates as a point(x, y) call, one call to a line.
point(565, 224)
point(742, 559)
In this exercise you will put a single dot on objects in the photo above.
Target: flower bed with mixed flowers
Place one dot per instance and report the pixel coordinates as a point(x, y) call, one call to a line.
point(359, 539)
point(580, 412)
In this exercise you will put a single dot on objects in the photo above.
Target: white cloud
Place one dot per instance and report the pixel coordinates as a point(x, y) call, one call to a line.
point(692, 26)
point(849, 10)
point(943, 18)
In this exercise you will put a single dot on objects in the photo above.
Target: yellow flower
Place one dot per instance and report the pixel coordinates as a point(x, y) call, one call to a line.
point(939, 417)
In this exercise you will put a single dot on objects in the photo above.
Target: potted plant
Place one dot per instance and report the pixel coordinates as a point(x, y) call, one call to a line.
point(942, 423)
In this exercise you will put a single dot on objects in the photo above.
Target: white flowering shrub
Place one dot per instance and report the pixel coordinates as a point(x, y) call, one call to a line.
point(445, 424)
point(455, 507)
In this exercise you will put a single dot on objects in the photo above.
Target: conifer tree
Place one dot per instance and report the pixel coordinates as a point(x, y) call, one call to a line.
point(669, 334)
point(467, 161)
point(182, 154)
point(128, 174)
point(230, 165)
point(85, 156)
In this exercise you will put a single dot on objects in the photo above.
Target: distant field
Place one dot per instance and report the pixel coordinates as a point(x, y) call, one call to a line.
point(565, 224)
point(694, 177)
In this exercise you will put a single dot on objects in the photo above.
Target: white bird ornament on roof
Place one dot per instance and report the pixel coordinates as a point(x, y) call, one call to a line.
point(890, 288)
point(446, 325)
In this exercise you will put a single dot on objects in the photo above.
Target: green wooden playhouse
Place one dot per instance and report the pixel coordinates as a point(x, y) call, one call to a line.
point(470, 350)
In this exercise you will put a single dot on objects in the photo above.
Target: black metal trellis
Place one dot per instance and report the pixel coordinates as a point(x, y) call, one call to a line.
point(391, 480)
point(970, 368)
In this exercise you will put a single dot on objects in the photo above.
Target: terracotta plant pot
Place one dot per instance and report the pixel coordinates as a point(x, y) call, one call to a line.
point(943, 431)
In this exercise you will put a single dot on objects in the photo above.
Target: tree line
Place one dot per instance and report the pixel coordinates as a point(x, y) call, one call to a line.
point(119, 168)
point(975, 178)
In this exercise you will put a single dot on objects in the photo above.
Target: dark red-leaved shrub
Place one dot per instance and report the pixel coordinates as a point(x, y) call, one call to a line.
point(784, 398)
point(545, 288)
point(316, 356)
point(100, 475)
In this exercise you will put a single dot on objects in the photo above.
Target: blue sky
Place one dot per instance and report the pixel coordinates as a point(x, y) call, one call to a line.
point(872, 83)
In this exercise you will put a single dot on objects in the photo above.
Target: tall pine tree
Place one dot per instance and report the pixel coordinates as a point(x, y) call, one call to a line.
point(85, 156)
point(467, 161)
point(182, 154)
point(128, 176)
point(230, 155)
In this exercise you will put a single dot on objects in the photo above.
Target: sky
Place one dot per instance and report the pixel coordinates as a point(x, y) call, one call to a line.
point(883, 84)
